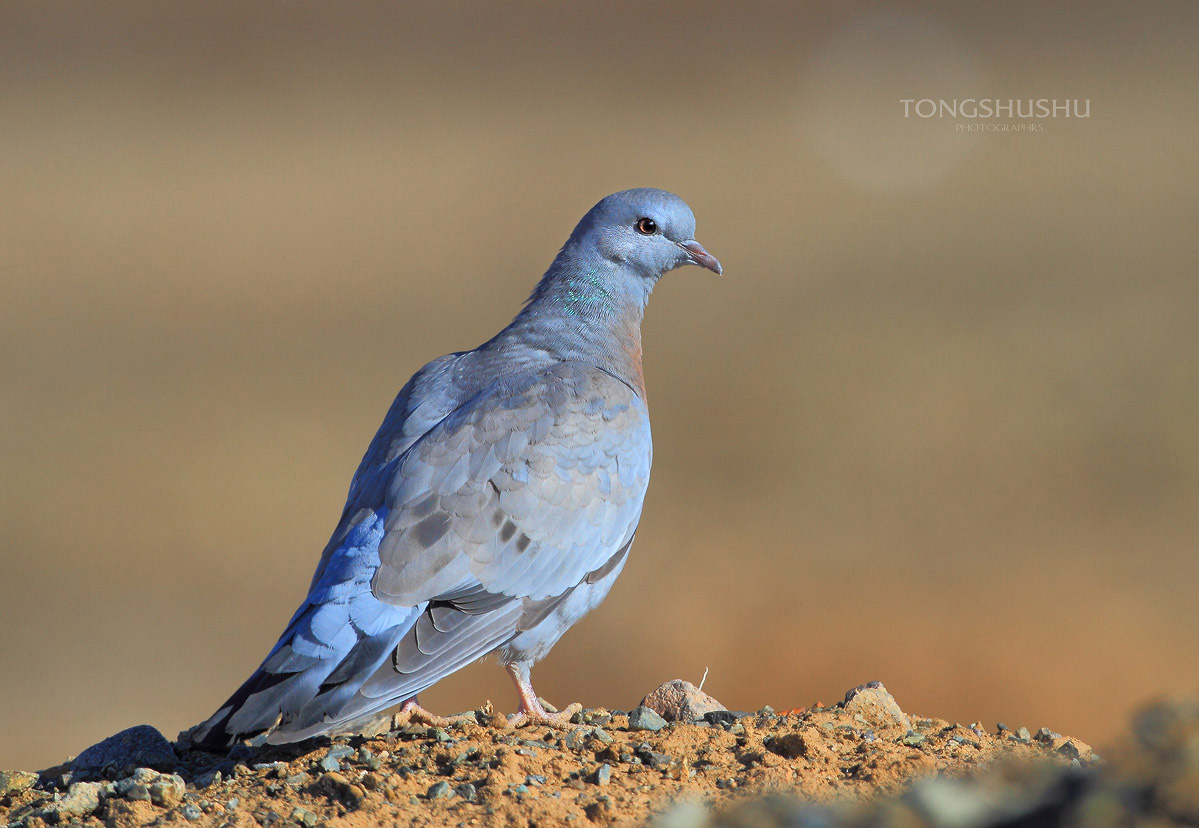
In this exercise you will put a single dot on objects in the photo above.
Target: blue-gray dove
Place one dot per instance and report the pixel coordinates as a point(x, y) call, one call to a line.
point(497, 503)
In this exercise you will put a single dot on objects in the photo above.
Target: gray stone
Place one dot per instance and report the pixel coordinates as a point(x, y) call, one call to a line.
point(602, 775)
point(681, 701)
point(643, 718)
point(81, 799)
point(208, 779)
point(141, 746)
point(191, 812)
point(167, 791)
point(1069, 750)
point(467, 792)
point(441, 790)
point(304, 817)
point(329, 764)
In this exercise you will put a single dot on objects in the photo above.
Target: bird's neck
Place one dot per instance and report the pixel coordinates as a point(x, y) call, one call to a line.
point(586, 309)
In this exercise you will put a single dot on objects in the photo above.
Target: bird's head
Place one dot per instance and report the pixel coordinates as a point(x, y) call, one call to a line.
point(650, 231)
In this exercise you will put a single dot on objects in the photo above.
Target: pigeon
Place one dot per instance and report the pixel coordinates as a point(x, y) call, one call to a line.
point(496, 505)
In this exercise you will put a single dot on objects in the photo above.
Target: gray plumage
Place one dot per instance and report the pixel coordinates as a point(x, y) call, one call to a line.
point(498, 501)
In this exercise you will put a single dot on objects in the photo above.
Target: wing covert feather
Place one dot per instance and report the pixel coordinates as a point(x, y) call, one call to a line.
point(526, 488)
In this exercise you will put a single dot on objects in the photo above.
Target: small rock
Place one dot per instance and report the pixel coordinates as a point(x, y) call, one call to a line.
point(441, 790)
point(329, 764)
point(1023, 735)
point(305, 817)
point(643, 718)
point(340, 751)
point(467, 792)
point(657, 761)
point(191, 812)
point(80, 800)
point(141, 746)
point(912, 739)
point(12, 782)
point(723, 718)
point(680, 701)
point(208, 779)
point(298, 780)
point(1068, 749)
point(137, 793)
point(602, 775)
point(1046, 736)
point(876, 705)
point(167, 791)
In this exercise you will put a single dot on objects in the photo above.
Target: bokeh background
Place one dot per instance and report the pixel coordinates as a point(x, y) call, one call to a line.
point(937, 425)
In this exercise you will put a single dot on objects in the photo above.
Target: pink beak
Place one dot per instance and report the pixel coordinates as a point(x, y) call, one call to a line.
point(698, 256)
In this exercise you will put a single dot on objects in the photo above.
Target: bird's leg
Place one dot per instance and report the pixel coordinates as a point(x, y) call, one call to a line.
point(411, 711)
point(531, 710)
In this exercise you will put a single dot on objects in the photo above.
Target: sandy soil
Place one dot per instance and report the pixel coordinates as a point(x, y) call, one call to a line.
point(478, 771)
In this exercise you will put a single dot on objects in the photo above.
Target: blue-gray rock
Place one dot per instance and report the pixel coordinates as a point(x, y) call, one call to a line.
point(191, 812)
point(440, 790)
point(642, 718)
point(602, 775)
point(141, 746)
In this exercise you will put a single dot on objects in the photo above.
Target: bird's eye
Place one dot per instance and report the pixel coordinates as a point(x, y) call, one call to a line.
point(646, 226)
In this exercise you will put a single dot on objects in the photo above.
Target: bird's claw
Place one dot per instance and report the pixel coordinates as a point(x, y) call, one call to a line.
point(412, 712)
point(542, 717)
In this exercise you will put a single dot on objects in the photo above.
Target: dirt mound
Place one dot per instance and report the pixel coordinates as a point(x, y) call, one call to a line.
point(612, 767)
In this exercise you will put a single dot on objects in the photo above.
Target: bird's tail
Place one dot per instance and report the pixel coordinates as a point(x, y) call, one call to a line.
point(306, 680)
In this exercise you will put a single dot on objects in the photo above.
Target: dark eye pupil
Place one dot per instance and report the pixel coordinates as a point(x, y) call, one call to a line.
point(646, 226)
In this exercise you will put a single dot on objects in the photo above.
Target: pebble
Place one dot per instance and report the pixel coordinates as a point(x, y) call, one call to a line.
point(723, 718)
point(602, 775)
point(340, 751)
point(643, 718)
point(467, 792)
point(205, 780)
point(12, 782)
point(191, 812)
point(912, 739)
point(1069, 750)
point(329, 764)
point(167, 791)
point(304, 817)
point(440, 790)
point(81, 799)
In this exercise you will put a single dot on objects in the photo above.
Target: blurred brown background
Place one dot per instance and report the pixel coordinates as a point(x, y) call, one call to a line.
point(935, 426)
